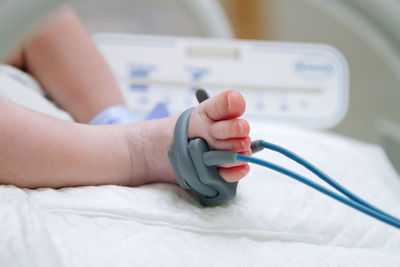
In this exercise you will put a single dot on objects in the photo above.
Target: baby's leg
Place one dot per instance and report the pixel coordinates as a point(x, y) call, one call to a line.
point(40, 151)
point(65, 61)
point(215, 120)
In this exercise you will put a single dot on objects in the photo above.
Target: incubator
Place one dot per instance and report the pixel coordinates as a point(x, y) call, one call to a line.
point(300, 83)
point(297, 93)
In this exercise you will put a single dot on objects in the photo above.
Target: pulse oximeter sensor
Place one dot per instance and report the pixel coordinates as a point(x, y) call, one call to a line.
point(195, 169)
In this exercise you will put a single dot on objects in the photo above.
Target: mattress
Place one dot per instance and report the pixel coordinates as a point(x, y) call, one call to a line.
point(273, 221)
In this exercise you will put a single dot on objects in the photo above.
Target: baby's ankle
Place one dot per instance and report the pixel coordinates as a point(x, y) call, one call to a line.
point(148, 143)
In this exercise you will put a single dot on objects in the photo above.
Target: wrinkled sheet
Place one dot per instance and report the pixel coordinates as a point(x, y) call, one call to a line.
point(273, 221)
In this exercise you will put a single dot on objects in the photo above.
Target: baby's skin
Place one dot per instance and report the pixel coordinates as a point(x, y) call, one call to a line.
point(41, 151)
point(216, 120)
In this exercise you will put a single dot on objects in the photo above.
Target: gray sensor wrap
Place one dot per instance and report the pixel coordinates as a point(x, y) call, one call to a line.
point(186, 157)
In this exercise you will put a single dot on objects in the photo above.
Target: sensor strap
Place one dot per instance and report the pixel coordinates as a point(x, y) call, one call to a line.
point(186, 157)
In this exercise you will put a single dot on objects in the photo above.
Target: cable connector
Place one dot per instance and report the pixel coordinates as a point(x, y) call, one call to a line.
point(256, 146)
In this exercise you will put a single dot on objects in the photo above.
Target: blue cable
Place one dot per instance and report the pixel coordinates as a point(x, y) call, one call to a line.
point(354, 204)
point(321, 175)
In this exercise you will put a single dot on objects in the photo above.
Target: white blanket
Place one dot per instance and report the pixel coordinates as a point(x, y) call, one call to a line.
point(274, 220)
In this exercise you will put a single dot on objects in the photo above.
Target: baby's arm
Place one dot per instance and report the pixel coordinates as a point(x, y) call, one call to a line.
point(63, 58)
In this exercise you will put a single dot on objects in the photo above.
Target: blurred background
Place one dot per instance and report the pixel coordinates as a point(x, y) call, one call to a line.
point(367, 32)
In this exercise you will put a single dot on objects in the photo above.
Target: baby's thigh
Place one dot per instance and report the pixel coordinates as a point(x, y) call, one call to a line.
point(22, 89)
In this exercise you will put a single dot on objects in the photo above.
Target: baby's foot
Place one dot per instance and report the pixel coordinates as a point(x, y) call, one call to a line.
point(215, 120)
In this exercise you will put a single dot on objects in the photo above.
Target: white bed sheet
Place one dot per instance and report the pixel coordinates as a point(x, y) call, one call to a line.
point(273, 221)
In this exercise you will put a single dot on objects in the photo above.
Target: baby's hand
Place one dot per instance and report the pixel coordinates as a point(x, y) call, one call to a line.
point(216, 120)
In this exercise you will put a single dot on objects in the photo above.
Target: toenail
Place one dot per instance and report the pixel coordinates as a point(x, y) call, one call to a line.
point(229, 102)
point(244, 170)
point(243, 145)
point(241, 128)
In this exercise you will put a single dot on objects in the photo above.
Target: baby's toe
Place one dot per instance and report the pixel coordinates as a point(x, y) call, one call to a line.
point(235, 173)
point(234, 128)
point(227, 105)
point(234, 144)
